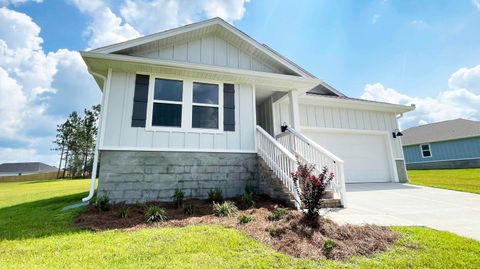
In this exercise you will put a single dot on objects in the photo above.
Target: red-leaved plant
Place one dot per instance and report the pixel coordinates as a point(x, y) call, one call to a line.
point(311, 188)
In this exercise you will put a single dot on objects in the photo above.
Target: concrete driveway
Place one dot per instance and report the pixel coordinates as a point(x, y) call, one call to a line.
point(405, 204)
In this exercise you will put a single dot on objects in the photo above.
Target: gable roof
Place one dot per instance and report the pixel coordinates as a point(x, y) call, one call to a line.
point(198, 29)
point(201, 28)
point(441, 131)
point(26, 167)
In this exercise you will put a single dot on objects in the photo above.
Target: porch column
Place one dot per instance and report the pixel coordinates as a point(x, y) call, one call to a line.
point(293, 109)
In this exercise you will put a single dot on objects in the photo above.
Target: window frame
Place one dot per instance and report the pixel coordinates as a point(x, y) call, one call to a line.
point(156, 101)
point(208, 105)
point(187, 104)
point(422, 151)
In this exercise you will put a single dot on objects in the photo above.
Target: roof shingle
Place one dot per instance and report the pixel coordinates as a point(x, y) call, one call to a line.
point(441, 131)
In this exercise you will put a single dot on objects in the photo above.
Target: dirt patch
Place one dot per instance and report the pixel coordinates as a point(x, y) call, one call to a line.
point(292, 234)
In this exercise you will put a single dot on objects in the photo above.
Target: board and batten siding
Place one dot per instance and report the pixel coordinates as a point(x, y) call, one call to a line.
point(466, 148)
point(210, 49)
point(118, 133)
point(322, 116)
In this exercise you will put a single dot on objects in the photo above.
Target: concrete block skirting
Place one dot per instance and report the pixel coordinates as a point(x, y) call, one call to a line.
point(454, 164)
point(137, 176)
point(401, 171)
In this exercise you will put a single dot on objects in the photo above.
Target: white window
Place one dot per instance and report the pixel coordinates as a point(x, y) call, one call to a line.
point(184, 105)
point(167, 103)
point(426, 152)
point(205, 109)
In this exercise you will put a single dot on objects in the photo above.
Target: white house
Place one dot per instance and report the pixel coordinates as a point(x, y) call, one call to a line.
point(194, 107)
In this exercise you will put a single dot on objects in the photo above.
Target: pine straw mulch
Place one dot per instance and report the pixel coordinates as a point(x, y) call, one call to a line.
point(292, 234)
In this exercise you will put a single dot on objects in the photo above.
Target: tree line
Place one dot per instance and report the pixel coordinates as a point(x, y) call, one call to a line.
point(75, 140)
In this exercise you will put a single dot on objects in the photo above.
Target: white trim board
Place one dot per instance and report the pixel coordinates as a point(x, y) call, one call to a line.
point(176, 150)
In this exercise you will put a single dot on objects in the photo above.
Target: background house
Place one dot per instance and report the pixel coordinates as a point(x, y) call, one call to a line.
point(443, 145)
point(28, 168)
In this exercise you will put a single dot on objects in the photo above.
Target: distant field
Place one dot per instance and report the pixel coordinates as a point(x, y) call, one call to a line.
point(467, 180)
point(40, 176)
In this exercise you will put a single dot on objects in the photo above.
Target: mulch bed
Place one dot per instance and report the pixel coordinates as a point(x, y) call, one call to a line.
point(292, 234)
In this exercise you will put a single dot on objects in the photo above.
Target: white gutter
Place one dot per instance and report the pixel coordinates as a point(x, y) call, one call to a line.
point(95, 155)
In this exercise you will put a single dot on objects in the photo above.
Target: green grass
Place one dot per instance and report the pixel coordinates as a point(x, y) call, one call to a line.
point(467, 180)
point(34, 233)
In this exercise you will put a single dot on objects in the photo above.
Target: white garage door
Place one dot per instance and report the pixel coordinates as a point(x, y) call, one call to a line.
point(366, 156)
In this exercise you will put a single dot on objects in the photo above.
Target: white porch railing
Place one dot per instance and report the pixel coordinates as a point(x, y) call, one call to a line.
point(279, 159)
point(310, 152)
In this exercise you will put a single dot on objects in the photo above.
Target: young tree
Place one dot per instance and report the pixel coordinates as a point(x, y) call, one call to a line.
point(76, 141)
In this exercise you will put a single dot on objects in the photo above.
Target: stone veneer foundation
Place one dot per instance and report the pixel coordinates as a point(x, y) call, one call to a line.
point(137, 176)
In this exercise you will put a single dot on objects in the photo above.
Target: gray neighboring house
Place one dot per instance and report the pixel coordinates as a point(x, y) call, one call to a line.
point(443, 145)
point(28, 168)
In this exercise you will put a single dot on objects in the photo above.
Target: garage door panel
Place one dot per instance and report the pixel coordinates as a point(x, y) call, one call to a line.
point(366, 156)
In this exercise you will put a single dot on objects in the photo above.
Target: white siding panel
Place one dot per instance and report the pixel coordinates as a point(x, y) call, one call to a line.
point(120, 134)
point(180, 52)
point(220, 52)
point(232, 56)
point(194, 51)
point(211, 49)
point(166, 53)
point(208, 49)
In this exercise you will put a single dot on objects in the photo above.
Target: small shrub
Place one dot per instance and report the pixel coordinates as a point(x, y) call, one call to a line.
point(188, 209)
point(124, 212)
point(102, 203)
point(273, 231)
point(328, 245)
point(225, 209)
point(215, 195)
point(248, 200)
point(311, 188)
point(155, 214)
point(277, 214)
point(178, 197)
point(245, 219)
point(248, 197)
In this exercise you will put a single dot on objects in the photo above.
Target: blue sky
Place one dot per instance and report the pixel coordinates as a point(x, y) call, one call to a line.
point(422, 52)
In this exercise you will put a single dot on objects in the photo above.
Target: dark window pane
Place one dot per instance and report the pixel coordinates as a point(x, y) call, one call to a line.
point(427, 153)
point(205, 93)
point(168, 90)
point(205, 117)
point(167, 115)
point(425, 147)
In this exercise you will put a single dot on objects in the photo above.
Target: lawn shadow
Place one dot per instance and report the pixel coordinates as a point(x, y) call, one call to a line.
point(40, 218)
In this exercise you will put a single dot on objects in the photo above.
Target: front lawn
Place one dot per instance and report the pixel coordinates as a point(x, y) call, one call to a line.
point(34, 233)
point(467, 180)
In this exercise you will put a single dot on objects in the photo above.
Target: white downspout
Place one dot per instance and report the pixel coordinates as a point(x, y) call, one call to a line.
point(95, 155)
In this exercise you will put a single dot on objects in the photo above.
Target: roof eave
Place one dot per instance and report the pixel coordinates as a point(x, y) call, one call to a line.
point(357, 103)
point(300, 83)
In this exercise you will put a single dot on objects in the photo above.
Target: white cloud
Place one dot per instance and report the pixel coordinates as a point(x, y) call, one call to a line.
point(12, 105)
point(10, 155)
point(476, 3)
point(105, 28)
point(37, 90)
point(375, 18)
point(468, 78)
point(449, 104)
point(419, 24)
point(157, 15)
